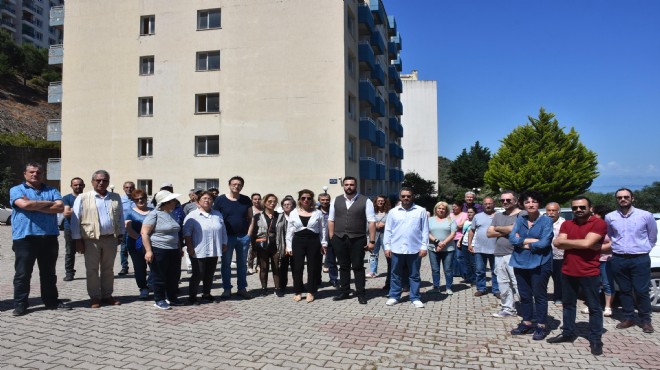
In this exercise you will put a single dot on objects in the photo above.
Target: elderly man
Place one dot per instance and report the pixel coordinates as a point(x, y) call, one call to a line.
point(552, 210)
point(470, 196)
point(405, 241)
point(126, 203)
point(483, 248)
point(633, 233)
point(34, 238)
point(77, 187)
point(97, 226)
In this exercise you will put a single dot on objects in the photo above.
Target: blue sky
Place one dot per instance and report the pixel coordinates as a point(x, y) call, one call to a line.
point(594, 63)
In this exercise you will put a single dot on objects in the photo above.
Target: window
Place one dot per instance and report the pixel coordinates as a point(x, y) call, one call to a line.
point(207, 184)
point(208, 60)
point(207, 103)
point(147, 25)
point(350, 64)
point(147, 65)
point(350, 23)
point(145, 185)
point(208, 19)
point(351, 106)
point(146, 108)
point(145, 147)
point(207, 145)
point(350, 148)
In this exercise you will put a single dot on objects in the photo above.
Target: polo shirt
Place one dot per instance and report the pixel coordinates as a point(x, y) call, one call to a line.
point(582, 262)
point(23, 222)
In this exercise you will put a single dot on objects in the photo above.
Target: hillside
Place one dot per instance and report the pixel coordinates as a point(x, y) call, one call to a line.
point(25, 109)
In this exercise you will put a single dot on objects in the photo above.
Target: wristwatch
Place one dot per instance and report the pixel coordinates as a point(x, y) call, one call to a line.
point(372, 242)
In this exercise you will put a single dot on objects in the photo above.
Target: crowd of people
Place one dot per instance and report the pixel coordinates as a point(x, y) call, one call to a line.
point(523, 247)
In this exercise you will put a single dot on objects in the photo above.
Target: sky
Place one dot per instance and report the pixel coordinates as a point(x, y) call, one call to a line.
point(595, 64)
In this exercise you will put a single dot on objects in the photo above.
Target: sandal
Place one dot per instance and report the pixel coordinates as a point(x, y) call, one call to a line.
point(325, 269)
point(607, 312)
point(372, 275)
point(310, 297)
point(585, 310)
point(297, 298)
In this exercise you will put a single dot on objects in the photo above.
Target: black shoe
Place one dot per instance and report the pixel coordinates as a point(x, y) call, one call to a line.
point(176, 303)
point(596, 348)
point(334, 283)
point(68, 277)
point(561, 338)
point(19, 310)
point(59, 306)
point(386, 287)
point(341, 297)
point(193, 302)
point(123, 271)
point(362, 300)
point(209, 298)
point(279, 293)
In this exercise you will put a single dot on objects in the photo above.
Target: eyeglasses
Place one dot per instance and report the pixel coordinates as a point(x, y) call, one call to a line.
point(506, 200)
point(623, 197)
point(101, 180)
point(144, 199)
point(305, 198)
point(575, 208)
point(405, 196)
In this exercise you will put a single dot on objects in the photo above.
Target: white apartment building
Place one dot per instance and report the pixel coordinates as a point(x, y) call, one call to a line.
point(288, 94)
point(28, 21)
point(420, 97)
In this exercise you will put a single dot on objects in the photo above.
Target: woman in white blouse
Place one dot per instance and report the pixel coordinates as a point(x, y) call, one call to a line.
point(306, 238)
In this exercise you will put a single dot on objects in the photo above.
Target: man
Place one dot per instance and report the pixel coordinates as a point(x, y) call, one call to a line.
point(191, 204)
point(97, 226)
point(405, 241)
point(581, 239)
point(236, 209)
point(34, 234)
point(126, 203)
point(77, 187)
point(499, 229)
point(350, 213)
point(633, 232)
point(469, 202)
point(330, 265)
point(483, 248)
point(552, 210)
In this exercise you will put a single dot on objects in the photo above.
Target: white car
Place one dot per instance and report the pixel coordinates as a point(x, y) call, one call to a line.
point(655, 273)
point(5, 215)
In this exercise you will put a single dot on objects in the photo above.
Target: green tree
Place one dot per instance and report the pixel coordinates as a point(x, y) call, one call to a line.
point(468, 169)
point(6, 182)
point(34, 63)
point(425, 194)
point(648, 198)
point(541, 156)
point(447, 189)
point(11, 56)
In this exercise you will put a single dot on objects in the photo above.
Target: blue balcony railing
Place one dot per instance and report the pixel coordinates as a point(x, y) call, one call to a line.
point(378, 43)
point(378, 75)
point(367, 92)
point(367, 168)
point(54, 130)
point(379, 107)
point(365, 18)
point(380, 171)
point(380, 138)
point(391, 25)
point(366, 54)
point(378, 11)
point(368, 130)
point(397, 63)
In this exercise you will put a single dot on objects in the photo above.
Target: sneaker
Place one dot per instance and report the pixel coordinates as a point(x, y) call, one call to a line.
point(144, 294)
point(59, 306)
point(68, 277)
point(19, 310)
point(449, 292)
point(392, 302)
point(244, 293)
point(233, 265)
point(123, 271)
point(523, 329)
point(435, 289)
point(503, 313)
point(163, 305)
point(418, 304)
point(540, 333)
point(250, 271)
point(226, 294)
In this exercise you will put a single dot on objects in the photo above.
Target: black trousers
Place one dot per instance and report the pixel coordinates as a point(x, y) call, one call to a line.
point(43, 250)
point(286, 262)
point(166, 268)
point(202, 270)
point(69, 253)
point(350, 256)
point(306, 247)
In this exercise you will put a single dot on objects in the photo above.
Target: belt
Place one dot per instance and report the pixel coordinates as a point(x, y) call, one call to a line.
point(630, 255)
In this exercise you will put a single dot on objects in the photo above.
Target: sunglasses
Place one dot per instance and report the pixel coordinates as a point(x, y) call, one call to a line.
point(140, 199)
point(506, 200)
point(575, 208)
point(623, 197)
point(405, 196)
point(305, 198)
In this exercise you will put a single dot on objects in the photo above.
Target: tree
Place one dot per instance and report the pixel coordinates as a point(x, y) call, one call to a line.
point(541, 156)
point(468, 168)
point(424, 190)
point(447, 189)
point(11, 55)
point(648, 198)
point(6, 181)
point(34, 63)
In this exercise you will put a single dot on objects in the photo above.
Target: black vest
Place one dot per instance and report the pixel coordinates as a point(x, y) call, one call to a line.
point(351, 221)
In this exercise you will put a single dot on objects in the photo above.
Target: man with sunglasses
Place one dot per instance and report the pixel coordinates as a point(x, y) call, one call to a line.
point(127, 203)
point(633, 232)
point(77, 187)
point(581, 239)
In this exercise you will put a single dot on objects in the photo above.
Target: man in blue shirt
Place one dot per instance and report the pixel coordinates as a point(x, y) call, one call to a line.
point(77, 186)
point(34, 234)
point(126, 203)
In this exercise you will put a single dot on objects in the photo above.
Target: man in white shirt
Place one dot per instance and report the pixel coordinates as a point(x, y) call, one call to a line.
point(405, 238)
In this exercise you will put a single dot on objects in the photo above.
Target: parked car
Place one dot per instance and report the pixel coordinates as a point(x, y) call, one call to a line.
point(655, 273)
point(5, 215)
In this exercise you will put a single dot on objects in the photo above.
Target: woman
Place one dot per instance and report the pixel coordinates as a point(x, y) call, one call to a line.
point(256, 209)
point(381, 207)
point(606, 277)
point(305, 238)
point(134, 219)
point(206, 238)
point(160, 235)
point(264, 242)
point(532, 264)
point(286, 261)
point(442, 230)
point(468, 254)
point(461, 255)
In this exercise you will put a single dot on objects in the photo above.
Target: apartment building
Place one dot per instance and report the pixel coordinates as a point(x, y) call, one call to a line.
point(28, 21)
point(288, 94)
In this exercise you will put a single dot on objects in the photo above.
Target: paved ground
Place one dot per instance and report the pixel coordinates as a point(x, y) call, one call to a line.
point(271, 332)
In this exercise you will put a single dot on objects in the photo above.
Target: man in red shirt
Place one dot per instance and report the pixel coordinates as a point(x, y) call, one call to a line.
point(581, 240)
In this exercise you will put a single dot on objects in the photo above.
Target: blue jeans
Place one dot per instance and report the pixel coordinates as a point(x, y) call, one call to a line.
point(459, 264)
point(240, 244)
point(480, 260)
point(533, 290)
point(142, 279)
point(413, 262)
point(447, 259)
point(331, 264)
point(570, 287)
point(606, 278)
point(373, 256)
point(633, 274)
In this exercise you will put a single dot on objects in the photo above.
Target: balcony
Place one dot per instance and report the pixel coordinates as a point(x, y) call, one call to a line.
point(395, 150)
point(368, 130)
point(8, 24)
point(396, 175)
point(395, 78)
point(56, 54)
point(54, 130)
point(54, 169)
point(10, 10)
point(365, 19)
point(380, 138)
point(367, 92)
point(395, 42)
point(380, 170)
point(391, 25)
point(378, 75)
point(367, 168)
point(378, 10)
point(379, 107)
point(29, 5)
point(55, 92)
point(378, 43)
point(366, 54)
point(394, 99)
point(57, 16)
point(397, 63)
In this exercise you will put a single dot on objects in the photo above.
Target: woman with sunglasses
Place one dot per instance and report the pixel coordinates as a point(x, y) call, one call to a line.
point(442, 230)
point(134, 218)
point(286, 261)
point(381, 207)
point(306, 238)
point(264, 242)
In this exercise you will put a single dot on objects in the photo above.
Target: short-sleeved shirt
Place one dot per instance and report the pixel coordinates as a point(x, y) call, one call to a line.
point(166, 230)
point(441, 230)
point(235, 213)
point(24, 222)
point(582, 262)
point(68, 201)
point(481, 242)
point(136, 219)
point(503, 246)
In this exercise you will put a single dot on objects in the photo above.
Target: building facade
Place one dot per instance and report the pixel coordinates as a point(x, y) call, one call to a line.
point(288, 94)
point(420, 144)
point(28, 21)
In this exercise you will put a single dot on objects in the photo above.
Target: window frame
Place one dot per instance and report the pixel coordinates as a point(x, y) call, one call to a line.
point(150, 25)
point(206, 152)
point(208, 12)
point(207, 183)
point(350, 148)
point(145, 147)
point(207, 53)
point(146, 185)
point(151, 66)
point(150, 106)
point(206, 104)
